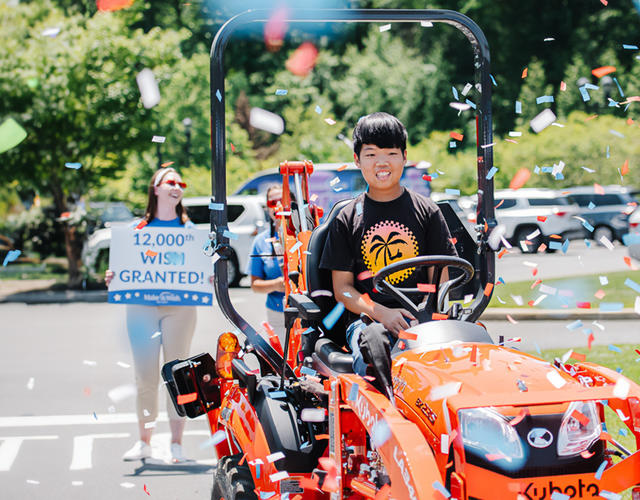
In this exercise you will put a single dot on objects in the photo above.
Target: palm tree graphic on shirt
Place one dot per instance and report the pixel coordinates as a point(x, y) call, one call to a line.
point(380, 245)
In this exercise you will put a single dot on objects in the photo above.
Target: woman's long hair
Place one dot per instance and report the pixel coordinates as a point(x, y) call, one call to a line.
point(152, 200)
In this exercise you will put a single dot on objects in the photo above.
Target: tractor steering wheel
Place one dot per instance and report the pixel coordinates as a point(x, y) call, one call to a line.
point(439, 263)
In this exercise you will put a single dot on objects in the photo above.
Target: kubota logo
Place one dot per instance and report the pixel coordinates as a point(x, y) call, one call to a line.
point(364, 412)
point(399, 458)
point(541, 492)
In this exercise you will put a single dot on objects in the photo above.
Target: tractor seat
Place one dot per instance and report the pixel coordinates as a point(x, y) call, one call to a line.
point(330, 359)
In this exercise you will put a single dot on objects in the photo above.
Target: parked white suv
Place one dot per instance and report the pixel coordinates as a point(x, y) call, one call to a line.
point(531, 215)
point(246, 215)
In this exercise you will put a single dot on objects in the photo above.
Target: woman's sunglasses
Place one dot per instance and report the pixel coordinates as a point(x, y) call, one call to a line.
point(273, 203)
point(173, 183)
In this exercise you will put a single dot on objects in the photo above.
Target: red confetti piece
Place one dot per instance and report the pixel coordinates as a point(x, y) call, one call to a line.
point(342, 167)
point(407, 335)
point(275, 29)
point(523, 413)
point(309, 483)
point(520, 179)
point(473, 357)
point(453, 240)
point(494, 456)
point(603, 70)
point(555, 236)
point(534, 271)
point(583, 305)
point(524, 72)
point(150, 253)
point(187, 398)
point(113, 5)
point(542, 248)
point(511, 320)
point(598, 188)
point(627, 261)
point(578, 357)
point(535, 284)
point(487, 289)
point(322, 436)
point(587, 454)
point(530, 303)
point(268, 328)
point(427, 287)
point(365, 275)
point(401, 346)
point(303, 59)
point(501, 202)
point(146, 490)
point(167, 163)
point(580, 417)
point(426, 177)
point(64, 215)
point(502, 252)
point(233, 148)
point(600, 294)
point(604, 2)
point(367, 299)
point(625, 168)
point(456, 136)
point(542, 218)
point(244, 457)
point(590, 340)
point(563, 86)
point(142, 224)
point(438, 316)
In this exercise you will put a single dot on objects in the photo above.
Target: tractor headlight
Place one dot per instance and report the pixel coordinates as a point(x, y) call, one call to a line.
point(579, 429)
point(486, 432)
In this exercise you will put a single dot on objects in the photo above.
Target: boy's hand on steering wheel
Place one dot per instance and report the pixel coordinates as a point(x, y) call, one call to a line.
point(394, 320)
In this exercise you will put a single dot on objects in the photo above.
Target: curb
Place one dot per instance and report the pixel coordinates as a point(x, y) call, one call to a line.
point(55, 297)
point(523, 314)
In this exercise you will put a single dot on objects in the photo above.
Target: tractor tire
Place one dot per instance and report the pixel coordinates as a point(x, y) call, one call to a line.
point(232, 481)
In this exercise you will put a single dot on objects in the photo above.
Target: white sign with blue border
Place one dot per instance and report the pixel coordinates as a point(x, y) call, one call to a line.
point(160, 266)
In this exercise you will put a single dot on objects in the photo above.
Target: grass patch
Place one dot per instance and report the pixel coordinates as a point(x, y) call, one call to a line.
point(569, 291)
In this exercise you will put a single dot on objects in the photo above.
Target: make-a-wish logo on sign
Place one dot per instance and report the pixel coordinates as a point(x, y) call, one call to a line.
point(160, 266)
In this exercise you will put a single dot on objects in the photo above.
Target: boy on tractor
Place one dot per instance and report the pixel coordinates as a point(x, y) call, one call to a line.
point(386, 224)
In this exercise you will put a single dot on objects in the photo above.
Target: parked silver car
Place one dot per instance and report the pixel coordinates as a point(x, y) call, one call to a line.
point(246, 216)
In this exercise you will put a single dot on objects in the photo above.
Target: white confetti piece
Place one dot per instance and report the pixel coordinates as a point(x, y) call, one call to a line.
point(127, 485)
point(445, 391)
point(278, 455)
point(148, 86)
point(158, 138)
point(157, 334)
point(621, 389)
point(330, 121)
point(517, 299)
point(621, 415)
point(122, 364)
point(605, 242)
point(463, 106)
point(636, 305)
point(266, 120)
point(32, 481)
point(426, 24)
point(466, 89)
point(556, 379)
point(122, 392)
point(604, 280)
point(539, 299)
point(89, 363)
point(380, 433)
point(150, 425)
point(468, 298)
point(385, 27)
point(542, 120)
point(214, 440)
point(295, 247)
point(444, 444)
point(31, 383)
point(549, 290)
point(279, 476)
point(77, 483)
point(313, 415)
point(532, 235)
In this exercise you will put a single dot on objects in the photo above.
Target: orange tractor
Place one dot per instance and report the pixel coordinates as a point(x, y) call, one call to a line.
point(467, 418)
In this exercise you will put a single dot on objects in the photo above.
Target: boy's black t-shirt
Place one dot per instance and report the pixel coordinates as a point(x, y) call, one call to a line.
point(367, 235)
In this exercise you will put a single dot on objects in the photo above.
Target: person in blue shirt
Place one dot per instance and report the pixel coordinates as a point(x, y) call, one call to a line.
point(153, 328)
point(265, 265)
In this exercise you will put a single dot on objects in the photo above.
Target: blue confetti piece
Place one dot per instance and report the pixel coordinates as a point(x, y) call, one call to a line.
point(258, 474)
point(353, 393)
point(230, 235)
point(632, 284)
point(277, 394)
point(559, 176)
point(609, 495)
point(452, 144)
point(629, 47)
point(565, 246)
point(452, 191)
point(308, 331)
point(587, 243)
point(556, 495)
point(608, 152)
point(547, 170)
point(616, 133)
point(493, 79)
point(601, 470)
point(501, 280)
point(455, 93)
point(538, 348)
point(588, 226)
point(575, 325)
point(590, 86)
point(74, 166)
point(555, 245)
point(95, 416)
point(491, 173)
point(11, 256)
point(522, 386)
point(544, 98)
point(443, 491)
point(623, 432)
point(518, 107)
point(318, 109)
point(434, 175)
point(585, 95)
point(308, 371)
point(619, 370)
point(614, 348)
point(470, 103)
point(219, 95)
point(359, 208)
point(591, 205)
point(619, 88)
point(331, 318)
point(611, 306)
point(216, 206)
point(536, 169)
point(282, 91)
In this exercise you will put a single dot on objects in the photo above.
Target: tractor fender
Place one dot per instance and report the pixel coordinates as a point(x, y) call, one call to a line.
point(406, 454)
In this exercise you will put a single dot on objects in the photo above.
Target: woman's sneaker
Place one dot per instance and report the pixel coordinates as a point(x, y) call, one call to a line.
point(138, 451)
point(177, 456)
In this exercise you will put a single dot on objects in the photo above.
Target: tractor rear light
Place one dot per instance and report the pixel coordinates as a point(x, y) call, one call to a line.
point(560, 213)
point(635, 493)
point(580, 428)
point(228, 348)
point(634, 409)
point(457, 487)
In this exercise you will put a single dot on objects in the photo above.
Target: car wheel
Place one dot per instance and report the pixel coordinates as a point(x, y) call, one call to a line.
point(531, 245)
point(232, 481)
point(601, 231)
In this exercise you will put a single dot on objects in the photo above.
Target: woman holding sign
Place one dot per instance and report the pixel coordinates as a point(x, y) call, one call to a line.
point(151, 327)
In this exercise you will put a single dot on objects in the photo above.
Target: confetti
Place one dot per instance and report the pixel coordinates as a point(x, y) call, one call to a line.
point(524, 72)
point(282, 91)
point(11, 256)
point(266, 120)
point(146, 490)
point(73, 165)
point(611, 306)
point(303, 60)
point(127, 485)
point(380, 433)
point(313, 415)
point(632, 284)
point(149, 91)
point(460, 106)
point(556, 379)
point(158, 138)
point(542, 120)
point(427, 287)
point(156, 334)
point(278, 455)
point(11, 134)
point(544, 98)
point(456, 136)
point(606, 243)
point(385, 27)
point(604, 70)
point(455, 192)
point(621, 389)
point(217, 438)
point(279, 476)
point(183, 399)
point(123, 365)
point(331, 318)
point(600, 470)
point(353, 392)
point(518, 107)
point(445, 391)
point(113, 5)
point(330, 121)
point(407, 335)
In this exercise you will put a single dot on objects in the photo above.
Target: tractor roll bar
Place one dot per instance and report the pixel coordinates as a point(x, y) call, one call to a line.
point(218, 218)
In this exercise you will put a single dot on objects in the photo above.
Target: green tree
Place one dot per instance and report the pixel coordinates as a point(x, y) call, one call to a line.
point(77, 98)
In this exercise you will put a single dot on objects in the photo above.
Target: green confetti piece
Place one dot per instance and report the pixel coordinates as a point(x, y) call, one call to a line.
point(11, 134)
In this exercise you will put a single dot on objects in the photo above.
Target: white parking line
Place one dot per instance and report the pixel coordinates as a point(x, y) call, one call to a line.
point(11, 446)
point(83, 448)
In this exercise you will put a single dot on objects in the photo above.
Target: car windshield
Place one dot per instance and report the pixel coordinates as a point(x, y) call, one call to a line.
point(547, 202)
point(600, 200)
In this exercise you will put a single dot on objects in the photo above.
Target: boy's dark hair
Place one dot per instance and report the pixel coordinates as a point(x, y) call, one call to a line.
point(382, 129)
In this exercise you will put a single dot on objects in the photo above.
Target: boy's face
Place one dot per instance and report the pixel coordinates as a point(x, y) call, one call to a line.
point(381, 167)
